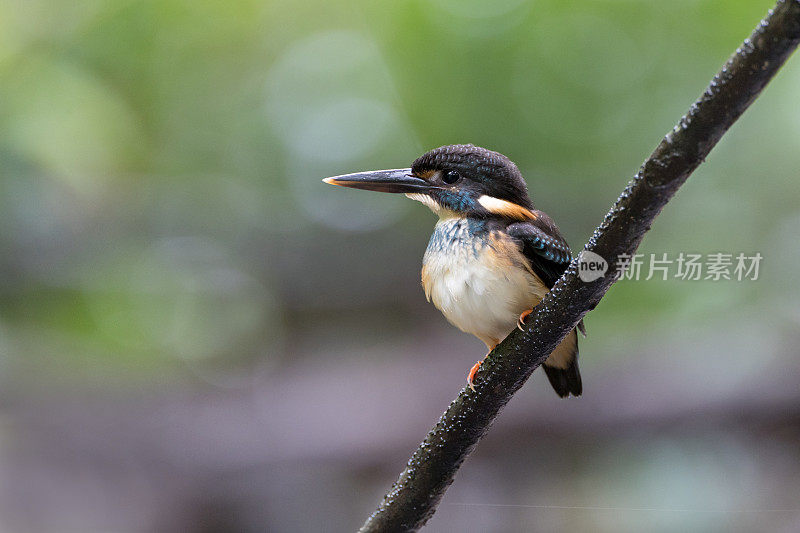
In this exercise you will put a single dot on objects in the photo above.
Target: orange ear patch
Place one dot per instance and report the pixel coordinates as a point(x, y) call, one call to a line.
point(506, 208)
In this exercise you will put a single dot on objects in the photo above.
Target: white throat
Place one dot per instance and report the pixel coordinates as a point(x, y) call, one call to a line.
point(427, 200)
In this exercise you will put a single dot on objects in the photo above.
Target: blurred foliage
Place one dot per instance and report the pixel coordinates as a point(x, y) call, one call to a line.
point(156, 157)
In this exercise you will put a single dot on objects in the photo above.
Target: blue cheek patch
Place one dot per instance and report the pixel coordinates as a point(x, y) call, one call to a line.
point(457, 201)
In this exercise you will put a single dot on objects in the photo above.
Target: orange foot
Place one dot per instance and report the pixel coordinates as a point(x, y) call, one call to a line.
point(476, 367)
point(471, 375)
point(522, 317)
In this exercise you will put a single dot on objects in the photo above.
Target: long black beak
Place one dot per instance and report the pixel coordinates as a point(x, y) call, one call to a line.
point(395, 180)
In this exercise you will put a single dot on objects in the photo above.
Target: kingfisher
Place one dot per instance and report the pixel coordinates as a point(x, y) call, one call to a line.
point(492, 256)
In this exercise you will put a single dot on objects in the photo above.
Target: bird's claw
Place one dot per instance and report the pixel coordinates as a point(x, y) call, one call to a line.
point(471, 375)
point(522, 317)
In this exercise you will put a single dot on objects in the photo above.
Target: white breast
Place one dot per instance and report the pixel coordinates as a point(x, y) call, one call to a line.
point(480, 282)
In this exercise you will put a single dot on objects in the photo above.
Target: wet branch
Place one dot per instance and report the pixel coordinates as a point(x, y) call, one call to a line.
point(413, 498)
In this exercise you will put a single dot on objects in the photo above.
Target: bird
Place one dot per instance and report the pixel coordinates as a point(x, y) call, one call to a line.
point(492, 256)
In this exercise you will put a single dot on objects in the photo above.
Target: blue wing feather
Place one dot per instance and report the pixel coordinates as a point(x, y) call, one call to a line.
point(542, 244)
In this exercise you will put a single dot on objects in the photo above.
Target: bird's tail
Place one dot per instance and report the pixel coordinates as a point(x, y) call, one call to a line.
point(562, 369)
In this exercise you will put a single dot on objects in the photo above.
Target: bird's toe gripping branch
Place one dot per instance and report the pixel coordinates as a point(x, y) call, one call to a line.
point(522, 317)
point(474, 370)
point(471, 375)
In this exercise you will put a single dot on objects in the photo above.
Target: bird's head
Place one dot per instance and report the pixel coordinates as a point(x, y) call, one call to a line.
point(453, 180)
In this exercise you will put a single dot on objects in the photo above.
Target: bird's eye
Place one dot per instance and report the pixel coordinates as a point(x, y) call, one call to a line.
point(450, 176)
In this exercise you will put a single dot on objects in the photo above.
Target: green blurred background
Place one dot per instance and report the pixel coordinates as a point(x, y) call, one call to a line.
point(197, 335)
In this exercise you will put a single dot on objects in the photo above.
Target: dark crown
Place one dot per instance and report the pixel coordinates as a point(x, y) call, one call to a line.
point(493, 171)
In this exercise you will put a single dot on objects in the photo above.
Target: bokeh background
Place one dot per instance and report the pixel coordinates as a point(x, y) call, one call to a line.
point(197, 335)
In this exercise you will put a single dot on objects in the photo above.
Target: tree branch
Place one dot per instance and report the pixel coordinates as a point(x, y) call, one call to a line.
point(413, 498)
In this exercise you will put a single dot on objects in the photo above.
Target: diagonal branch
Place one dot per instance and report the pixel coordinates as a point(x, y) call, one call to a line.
point(413, 498)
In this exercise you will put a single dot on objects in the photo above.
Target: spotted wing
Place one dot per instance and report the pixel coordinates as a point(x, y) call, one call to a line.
point(549, 256)
point(544, 247)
